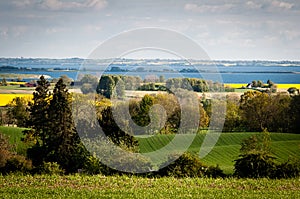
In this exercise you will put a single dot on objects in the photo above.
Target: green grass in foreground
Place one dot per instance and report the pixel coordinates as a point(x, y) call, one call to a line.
point(40, 186)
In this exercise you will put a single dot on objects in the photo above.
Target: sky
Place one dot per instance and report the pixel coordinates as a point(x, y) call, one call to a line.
point(225, 29)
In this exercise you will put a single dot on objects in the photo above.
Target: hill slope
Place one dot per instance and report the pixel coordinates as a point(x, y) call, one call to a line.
point(227, 147)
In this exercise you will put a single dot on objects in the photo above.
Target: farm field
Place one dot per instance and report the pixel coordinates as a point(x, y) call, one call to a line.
point(98, 186)
point(227, 148)
point(280, 86)
point(7, 93)
point(130, 186)
point(15, 87)
point(5, 98)
point(16, 83)
point(224, 152)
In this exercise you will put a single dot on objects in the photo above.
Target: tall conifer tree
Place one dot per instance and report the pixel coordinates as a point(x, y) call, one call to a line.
point(64, 145)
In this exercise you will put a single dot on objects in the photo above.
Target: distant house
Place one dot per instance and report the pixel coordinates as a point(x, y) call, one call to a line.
point(28, 84)
point(249, 85)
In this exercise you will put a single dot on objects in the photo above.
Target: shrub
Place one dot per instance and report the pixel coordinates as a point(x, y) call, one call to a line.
point(189, 165)
point(5, 154)
point(256, 159)
point(255, 165)
point(214, 172)
point(124, 164)
point(51, 168)
point(104, 153)
point(93, 165)
point(288, 169)
point(17, 163)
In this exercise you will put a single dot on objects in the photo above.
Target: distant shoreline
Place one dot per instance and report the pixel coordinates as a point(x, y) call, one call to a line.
point(22, 76)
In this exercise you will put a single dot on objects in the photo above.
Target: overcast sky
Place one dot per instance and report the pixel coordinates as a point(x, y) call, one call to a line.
point(225, 29)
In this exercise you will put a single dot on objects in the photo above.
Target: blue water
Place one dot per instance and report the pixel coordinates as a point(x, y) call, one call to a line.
point(231, 74)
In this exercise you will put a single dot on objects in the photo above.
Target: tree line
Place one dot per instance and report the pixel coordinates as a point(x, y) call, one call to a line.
point(256, 111)
point(252, 111)
point(115, 85)
point(54, 138)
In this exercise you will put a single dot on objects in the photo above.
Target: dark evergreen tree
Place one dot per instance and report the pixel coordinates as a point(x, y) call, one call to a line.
point(39, 116)
point(54, 129)
point(63, 144)
point(39, 121)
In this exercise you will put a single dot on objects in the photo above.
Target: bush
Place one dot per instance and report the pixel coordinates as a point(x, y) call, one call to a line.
point(17, 163)
point(5, 147)
point(126, 164)
point(214, 172)
point(104, 153)
point(256, 160)
point(255, 165)
point(288, 169)
point(51, 168)
point(93, 165)
point(4, 156)
point(189, 165)
point(10, 162)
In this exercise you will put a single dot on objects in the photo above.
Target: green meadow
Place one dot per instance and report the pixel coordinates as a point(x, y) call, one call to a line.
point(225, 151)
point(98, 186)
point(129, 186)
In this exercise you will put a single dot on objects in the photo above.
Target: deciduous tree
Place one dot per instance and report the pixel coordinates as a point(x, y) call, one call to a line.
point(18, 111)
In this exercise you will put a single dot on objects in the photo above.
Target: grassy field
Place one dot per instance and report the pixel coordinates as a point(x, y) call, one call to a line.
point(15, 87)
point(98, 186)
point(224, 153)
point(15, 134)
point(6, 98)
point(227, 148)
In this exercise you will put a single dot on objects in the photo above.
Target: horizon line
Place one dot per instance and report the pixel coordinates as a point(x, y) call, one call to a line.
point(231, 60)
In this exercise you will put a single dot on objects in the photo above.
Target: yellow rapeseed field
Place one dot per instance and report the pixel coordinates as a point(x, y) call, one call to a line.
point(6, 98)
point(235, 85)
point(16, 83)
point(281, 86)
point(287, 86)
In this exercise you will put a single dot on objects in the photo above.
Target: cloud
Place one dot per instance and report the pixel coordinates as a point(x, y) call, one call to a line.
point(22, 4)
point(71, 5)
point(58, 5)
point(13, 32)
point(290, 35)
point(238, 7)
point(282, 5)
point(207, 8)
point(4, 32)
point(253, 5)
